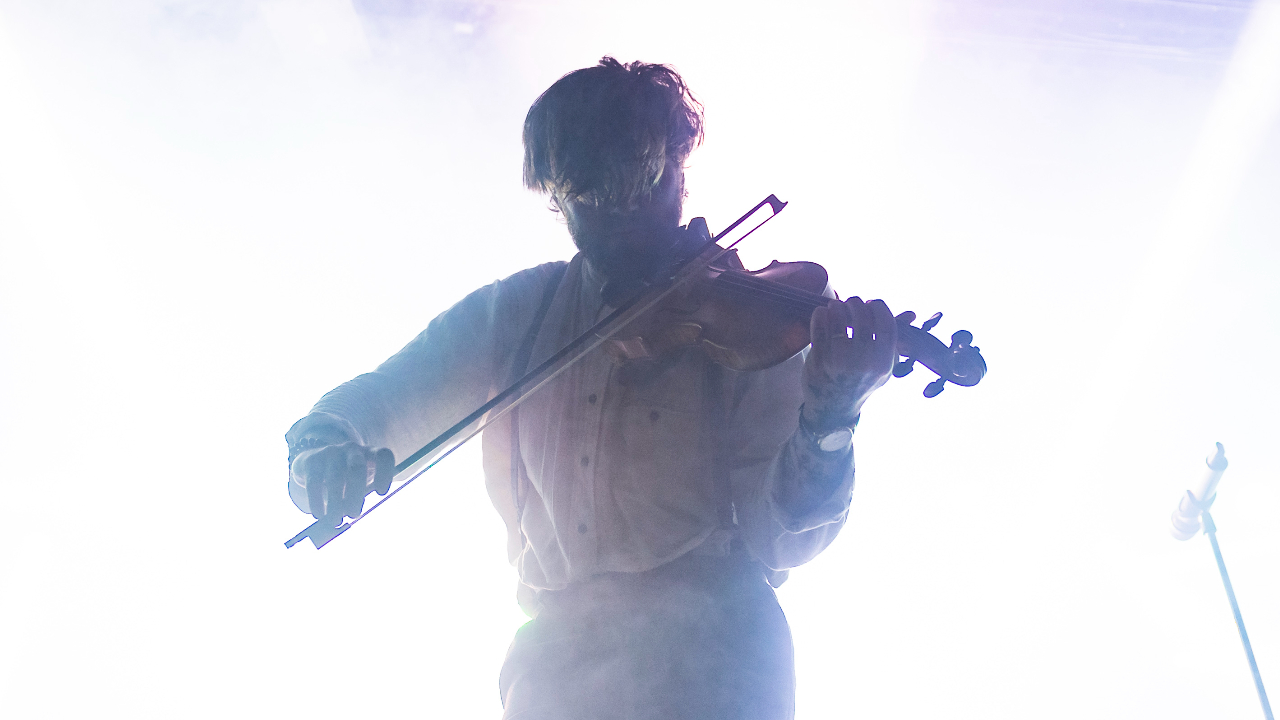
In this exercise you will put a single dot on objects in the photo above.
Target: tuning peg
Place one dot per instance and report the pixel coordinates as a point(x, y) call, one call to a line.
point(935, 387)
point(932, 321)
point(903, 368)
point(961, 339)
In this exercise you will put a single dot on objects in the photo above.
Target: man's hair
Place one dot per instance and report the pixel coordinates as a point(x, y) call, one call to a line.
point(604, 133)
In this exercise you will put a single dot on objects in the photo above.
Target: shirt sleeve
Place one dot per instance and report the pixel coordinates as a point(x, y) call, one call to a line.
point(790, 498)
point(444, 374)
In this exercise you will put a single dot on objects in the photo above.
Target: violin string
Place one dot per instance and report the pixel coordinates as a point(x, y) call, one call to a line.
point(774, 299)
point(773, 288)
point(791, 297)
point(745, 283)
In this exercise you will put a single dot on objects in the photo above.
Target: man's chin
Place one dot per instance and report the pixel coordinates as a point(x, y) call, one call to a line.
point(620, 267)
point(618, 259)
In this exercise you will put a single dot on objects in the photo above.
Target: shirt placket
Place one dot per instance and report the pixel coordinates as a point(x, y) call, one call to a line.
point(590, 398)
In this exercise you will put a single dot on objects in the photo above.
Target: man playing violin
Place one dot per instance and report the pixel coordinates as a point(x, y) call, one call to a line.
point(649, 514)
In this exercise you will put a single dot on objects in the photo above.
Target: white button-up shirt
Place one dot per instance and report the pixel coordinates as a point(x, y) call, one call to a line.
point(624, 470)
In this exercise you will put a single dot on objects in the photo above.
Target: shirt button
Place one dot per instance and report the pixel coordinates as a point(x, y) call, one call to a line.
point(582, 528)
point(591, 398)
point(653, 416)
point(585, 461)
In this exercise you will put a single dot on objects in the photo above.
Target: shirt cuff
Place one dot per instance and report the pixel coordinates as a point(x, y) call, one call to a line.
point(325, 426)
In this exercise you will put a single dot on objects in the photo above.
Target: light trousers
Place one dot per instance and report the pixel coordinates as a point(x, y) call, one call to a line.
point(699, 638)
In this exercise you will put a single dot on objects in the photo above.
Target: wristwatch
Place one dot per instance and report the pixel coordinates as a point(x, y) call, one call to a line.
point(831, 441)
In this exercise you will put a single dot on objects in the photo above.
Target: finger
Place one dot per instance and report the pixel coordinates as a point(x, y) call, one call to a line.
point(354, 481)
point(860, 321)
point(370, 474)
point(879, 318)
point(385, 472)
point(839, 320)
point(885, 328)
point(334, 467)
point(819, 332)
point(312, 468)
point(360, 485)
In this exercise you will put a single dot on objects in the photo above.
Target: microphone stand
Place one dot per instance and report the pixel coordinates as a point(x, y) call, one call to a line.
point(1211, 530)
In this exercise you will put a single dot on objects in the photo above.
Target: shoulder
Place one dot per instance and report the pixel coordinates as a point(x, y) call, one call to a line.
point(514, 290)
point(522, 292)
point(506, 303)
point(532, 280)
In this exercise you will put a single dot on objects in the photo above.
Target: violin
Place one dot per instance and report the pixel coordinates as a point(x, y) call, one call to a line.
point(743, 320)
point(749, 321)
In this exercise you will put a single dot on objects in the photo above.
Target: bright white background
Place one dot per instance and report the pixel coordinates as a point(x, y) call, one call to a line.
point(211, 212)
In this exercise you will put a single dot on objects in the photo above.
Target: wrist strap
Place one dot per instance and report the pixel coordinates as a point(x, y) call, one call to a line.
point(816, 438)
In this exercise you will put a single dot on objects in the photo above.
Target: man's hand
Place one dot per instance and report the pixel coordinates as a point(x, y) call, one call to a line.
point(841, 371)
point(336, 478)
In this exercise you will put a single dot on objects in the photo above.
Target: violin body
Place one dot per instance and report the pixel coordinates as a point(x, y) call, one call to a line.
point(711, 315)
point(752, 320)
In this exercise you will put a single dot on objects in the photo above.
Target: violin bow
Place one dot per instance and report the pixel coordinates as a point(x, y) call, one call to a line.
point(324, 530)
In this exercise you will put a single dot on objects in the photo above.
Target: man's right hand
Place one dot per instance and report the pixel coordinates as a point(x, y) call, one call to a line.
point(336, 478)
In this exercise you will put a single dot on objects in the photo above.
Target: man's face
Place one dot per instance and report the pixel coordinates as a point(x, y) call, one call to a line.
point(627, 242)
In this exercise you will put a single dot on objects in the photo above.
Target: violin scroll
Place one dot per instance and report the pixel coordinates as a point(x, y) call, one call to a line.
point(960, 363)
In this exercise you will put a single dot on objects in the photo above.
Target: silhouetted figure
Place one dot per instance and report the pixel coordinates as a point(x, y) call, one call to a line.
point(648, 513)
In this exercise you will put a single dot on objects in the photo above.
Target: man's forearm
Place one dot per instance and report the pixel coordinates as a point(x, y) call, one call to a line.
point(806, 478)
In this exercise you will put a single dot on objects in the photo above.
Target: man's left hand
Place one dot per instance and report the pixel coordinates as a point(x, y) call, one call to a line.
point(842, 371)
